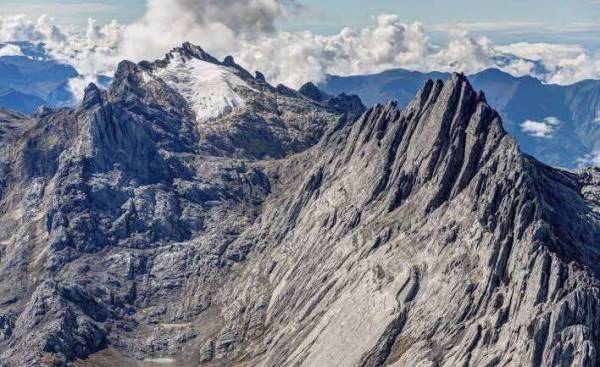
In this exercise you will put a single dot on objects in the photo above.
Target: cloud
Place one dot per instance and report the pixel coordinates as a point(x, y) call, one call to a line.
point(541, 129)
point(20, 28)
point(516, 28)
point(11, 50)
point(92, 53)
point(563, 64)
point(248, 30)
point(388, 44)
point(218, 25)
point(592, 159)
point(488, 26)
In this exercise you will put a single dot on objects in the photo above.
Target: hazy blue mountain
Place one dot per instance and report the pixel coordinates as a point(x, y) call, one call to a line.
point(33, 80)
point(558, 124)
point(397, 84)
point(17, 101)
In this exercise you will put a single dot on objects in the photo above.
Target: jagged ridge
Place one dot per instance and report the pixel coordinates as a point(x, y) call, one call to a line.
point(408, 237)
point(431, 215)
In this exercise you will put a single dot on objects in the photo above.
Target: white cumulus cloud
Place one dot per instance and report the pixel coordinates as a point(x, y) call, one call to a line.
point(564, 64)
point(92, 52)
point(11, 50)
point(20, 28)
point(540, 129)
point(218, 25)
point(247, 29)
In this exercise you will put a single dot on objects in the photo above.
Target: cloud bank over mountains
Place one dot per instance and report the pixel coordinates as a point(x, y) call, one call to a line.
point(248, 30)
point(91, 52)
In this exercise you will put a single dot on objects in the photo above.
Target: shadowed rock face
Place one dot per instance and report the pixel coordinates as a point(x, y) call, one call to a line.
point(284, 233)
point(343, 103)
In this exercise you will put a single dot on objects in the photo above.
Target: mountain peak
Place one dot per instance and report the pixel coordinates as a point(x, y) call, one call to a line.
point(311, 91)
point(444, 136)
point(92, 96)
point(460, 82)
point(210, 88)
point(210, 95)
point(229, 61)
point(453, 96)
point(260, 77)
point(189, 50)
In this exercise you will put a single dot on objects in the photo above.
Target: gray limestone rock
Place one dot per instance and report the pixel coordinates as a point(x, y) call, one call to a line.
point(281, 231)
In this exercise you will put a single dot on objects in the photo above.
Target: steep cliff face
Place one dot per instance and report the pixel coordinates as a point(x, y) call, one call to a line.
point(117, 216)
point(424, 237)
point(274, 230)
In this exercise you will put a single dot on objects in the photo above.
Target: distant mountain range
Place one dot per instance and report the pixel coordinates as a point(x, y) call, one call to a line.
point(33, 79)
point(559, 125)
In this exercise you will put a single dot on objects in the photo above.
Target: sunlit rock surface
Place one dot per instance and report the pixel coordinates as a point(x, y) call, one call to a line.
point(281, 231)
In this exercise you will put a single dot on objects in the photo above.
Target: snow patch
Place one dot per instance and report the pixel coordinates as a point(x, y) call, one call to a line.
point(208, 88)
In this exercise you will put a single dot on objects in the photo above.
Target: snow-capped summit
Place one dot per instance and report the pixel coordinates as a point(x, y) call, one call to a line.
point(233, 112)
point(209, 89)
point(212, 89)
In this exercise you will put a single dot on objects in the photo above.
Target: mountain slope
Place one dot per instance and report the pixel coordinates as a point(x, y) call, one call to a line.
point(117, 183)
point(21, 102)
point(424, 237)
point(281, 232)
point(518, 99)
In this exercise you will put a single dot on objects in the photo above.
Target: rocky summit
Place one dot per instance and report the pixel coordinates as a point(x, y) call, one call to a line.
point(194, 215)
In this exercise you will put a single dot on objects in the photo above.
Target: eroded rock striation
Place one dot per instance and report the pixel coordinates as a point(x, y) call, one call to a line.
point(280, 230)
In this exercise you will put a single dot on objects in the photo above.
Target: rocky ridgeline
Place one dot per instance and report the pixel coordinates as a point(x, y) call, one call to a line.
point(289, 231)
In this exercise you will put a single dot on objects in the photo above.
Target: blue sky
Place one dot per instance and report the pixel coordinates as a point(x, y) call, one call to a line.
point(440, 11)
point(569, 21)
point(77, 11)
